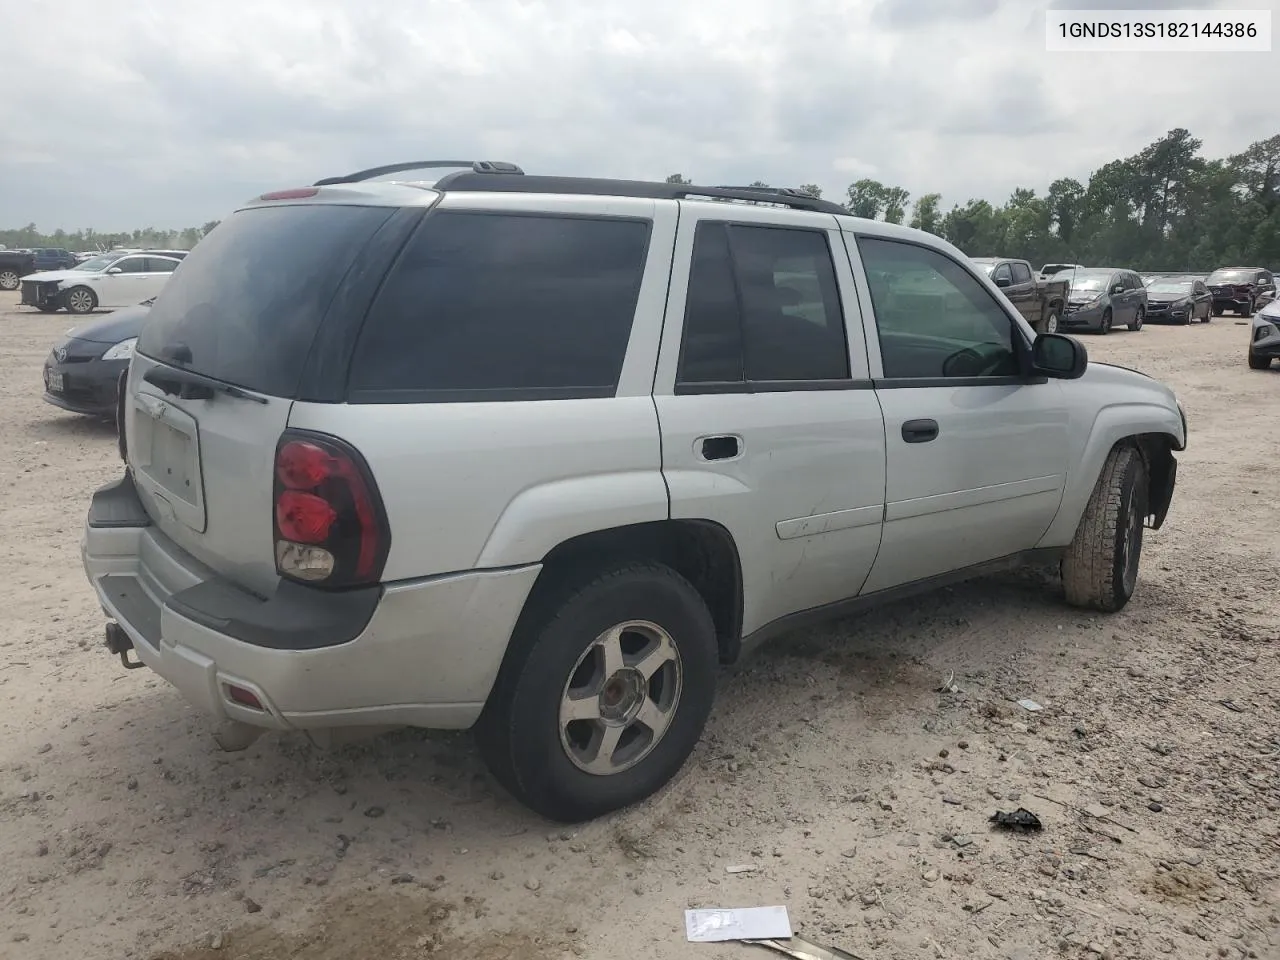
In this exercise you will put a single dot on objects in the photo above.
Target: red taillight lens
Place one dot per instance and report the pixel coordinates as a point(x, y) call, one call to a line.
point(330, 526)
point(302, 466)
point(304, 517)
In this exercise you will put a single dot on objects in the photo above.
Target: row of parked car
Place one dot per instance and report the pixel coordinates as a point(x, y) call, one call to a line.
point(1072, 296)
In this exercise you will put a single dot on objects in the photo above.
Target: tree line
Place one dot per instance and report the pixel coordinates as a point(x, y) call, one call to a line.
point(90, 239)
point(1164, 208)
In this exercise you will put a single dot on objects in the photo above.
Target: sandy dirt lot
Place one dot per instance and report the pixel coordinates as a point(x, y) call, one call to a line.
point(832, 765)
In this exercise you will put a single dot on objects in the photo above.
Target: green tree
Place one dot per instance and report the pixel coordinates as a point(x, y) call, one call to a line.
point(671, 178)
point(812, 188)
point(866, 198)
point(925, 215)
point(895, 204)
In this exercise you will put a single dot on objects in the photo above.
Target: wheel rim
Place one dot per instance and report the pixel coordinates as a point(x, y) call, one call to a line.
point(620, 698)
point(1051, 323)
point(8, 280)
point(80, 301)
point(1132, 543)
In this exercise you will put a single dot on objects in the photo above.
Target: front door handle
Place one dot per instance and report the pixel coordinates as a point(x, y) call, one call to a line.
point(719, 448)
point(919, 431)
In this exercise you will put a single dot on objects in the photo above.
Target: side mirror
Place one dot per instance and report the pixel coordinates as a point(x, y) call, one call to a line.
point(1004, 282)
point(111, 272)
point(1118, 288)
point(1058, 356)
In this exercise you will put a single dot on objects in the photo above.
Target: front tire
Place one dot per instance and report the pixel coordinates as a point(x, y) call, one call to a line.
point(1104, 326)
point(9, 280)
point(80, 300)
point(1136, 323)
point(1258, 363)
point(1100, 568)
point(604, 693)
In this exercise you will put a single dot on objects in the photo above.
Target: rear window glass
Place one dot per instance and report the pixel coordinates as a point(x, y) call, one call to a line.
point(483, 306)
point(247, 302)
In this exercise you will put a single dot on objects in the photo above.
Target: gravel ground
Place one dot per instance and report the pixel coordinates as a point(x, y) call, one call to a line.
point(859, 794)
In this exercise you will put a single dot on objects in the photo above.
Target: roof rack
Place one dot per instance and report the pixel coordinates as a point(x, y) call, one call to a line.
point(501, 182)
point(477, 166)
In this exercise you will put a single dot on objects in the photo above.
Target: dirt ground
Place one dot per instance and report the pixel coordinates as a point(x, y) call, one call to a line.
point(832, 765)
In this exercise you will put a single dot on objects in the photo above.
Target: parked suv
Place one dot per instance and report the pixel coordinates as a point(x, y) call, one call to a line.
point(536, 454)
point(1241, 289)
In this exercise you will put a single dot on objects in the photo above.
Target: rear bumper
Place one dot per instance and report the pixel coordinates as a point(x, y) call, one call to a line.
point(419, 653)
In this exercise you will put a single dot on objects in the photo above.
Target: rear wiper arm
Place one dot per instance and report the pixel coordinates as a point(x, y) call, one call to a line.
point(185, 384)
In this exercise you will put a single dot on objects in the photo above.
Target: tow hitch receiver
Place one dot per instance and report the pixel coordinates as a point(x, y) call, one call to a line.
point(118, 642)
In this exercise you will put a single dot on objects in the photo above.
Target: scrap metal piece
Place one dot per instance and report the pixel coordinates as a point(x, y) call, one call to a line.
point(802, 949)
point(1020, 819)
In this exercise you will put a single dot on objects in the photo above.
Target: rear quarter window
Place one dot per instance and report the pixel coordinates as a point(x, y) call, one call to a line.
point(486, 306)
point(247, 303)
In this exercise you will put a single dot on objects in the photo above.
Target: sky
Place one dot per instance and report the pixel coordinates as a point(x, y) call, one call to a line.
point(138, 113)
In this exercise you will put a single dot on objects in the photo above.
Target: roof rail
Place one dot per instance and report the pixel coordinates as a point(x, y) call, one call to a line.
point(588, 186)
point(477, 166)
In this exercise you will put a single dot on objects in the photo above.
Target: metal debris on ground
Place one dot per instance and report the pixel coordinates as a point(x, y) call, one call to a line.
point(801, 949)
point(1030, 705)
point(741, 923)
point(948, 685)
point(1020, 819)
point(741, 868)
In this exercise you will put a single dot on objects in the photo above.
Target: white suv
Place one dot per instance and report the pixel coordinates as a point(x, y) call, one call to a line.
point(536, 454)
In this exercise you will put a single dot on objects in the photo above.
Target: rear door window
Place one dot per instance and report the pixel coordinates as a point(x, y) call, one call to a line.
point(247, 303)
point(487, 306)
point(763, 307)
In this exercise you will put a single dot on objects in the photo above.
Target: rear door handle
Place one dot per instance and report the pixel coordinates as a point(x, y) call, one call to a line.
point(919, 431)
point(719, 448)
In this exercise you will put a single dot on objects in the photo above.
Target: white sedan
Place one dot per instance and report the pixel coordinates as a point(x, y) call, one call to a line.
point(111, 280)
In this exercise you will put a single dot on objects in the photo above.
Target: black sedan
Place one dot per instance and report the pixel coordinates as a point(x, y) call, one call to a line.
point(82, 372)
point(1178, 299)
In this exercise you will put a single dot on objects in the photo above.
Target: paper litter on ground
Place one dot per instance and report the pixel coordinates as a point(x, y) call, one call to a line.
point(740, 923)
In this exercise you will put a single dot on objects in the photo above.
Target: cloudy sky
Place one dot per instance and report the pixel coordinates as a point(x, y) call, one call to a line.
point(135, 113)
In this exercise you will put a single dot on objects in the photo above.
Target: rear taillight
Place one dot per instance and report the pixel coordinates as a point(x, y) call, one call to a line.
point(330, 526)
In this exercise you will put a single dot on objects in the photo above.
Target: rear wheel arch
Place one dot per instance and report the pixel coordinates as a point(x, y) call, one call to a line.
point(702, 552)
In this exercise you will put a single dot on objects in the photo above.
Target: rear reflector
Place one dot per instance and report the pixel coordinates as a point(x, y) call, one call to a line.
point(299, 193)
point(246, 698)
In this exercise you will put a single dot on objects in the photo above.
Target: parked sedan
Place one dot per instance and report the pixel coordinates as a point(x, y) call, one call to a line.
point(111, 280)
point(1101, 297)
point(1178, 299)
point(1264, 337)
point(82, 372)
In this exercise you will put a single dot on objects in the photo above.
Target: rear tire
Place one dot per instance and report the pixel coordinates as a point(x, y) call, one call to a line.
point(1217, 310)
point(1258, 363)
point(9, 280)
point(1050, 323)
point(1100, 568)
point(555, 764)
